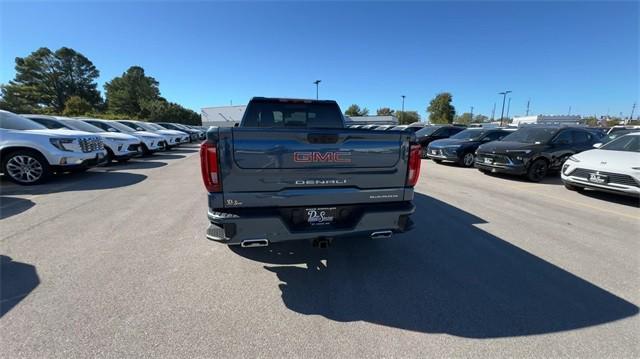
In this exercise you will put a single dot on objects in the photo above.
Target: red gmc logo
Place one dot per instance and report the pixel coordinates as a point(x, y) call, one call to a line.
point(324, 157)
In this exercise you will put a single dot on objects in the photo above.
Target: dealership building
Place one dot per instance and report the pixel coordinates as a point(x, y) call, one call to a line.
point(222, 116)
point(547, 120)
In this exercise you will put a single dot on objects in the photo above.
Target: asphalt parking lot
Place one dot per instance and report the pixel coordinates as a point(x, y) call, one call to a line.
point(115, 264)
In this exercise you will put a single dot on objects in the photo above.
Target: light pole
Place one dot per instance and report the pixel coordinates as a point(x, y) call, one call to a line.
point(317, 82)
point(402, 113)
point(493, 112)
point(508, 107)
point(504, 97)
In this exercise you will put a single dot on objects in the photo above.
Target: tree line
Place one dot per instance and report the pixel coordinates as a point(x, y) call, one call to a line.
point(440, 109)
point(63, 82)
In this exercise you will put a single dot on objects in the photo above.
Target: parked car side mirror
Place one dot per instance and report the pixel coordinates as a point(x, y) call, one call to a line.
point(111, 130)
point(597, 145)
point(139, 129)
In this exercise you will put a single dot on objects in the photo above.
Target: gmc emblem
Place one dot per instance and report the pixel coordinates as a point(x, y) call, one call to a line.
point(323, 157)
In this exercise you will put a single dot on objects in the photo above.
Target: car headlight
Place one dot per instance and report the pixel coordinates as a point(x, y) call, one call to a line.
point(60, 143)
point(573, 159)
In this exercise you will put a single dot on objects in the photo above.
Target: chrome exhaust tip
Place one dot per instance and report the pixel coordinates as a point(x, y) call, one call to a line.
point(254, 243)
point(381, 234)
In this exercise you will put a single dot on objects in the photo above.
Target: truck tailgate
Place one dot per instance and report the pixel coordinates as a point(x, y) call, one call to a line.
point(296, 167)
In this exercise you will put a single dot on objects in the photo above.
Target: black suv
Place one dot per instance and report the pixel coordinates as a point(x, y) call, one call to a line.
point(462, 146)
point(428, 134)
point(534, 150)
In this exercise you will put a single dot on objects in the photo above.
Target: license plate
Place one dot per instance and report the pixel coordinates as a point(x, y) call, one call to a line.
point(488, 160)
point(597, 178)
point(321, 216)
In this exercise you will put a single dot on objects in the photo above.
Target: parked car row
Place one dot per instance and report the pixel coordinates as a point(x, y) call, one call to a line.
point(585, 157)
point(32, 147)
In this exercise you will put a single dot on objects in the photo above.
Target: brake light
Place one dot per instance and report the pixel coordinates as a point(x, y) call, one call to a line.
point(414, 165)
point(209, 167)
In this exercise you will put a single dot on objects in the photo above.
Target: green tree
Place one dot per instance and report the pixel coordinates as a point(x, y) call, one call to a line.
point(46, 79)
point(77, 106)
point(354, 110)
point(161, 110)
point(440, 109)
point(407, 117)
point(465, 118)
point(480, 119)
point(385, 111)
point(126, 94)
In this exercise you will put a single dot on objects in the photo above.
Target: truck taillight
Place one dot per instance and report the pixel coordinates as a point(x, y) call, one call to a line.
point(414, 165)
point(209, 167)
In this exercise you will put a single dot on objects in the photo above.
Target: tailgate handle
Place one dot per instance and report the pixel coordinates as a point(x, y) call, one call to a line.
point(322, 138)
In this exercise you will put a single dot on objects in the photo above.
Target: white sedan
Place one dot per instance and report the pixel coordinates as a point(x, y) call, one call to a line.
point(614, 167)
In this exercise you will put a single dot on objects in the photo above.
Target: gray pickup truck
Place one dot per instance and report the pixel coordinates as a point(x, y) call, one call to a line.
point(292, 171)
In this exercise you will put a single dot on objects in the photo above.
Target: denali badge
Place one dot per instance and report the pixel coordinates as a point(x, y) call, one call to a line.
point(324, 157)
point(321, 181)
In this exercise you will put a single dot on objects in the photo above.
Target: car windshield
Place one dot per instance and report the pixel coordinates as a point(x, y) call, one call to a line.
point(80, 126)
point(534, 135)
point(471, 135)
point(426, 131)
point(624, 143)
point(153, 126)
point(136, 126)
point(612, 136)
point(120, 127)
point(12, 121)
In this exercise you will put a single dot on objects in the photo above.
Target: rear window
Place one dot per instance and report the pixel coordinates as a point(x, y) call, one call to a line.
point(276, 114)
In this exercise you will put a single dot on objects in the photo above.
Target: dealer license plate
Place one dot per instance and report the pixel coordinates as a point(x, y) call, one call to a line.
point(597, 178)
point(488, 160)
point(321, 215)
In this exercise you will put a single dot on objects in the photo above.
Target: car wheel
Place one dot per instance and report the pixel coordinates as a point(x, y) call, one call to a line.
point(538, 170)
point(109, 157)
point(145, 150)
point(571, 187)
point(468, 159)
point(26, 167)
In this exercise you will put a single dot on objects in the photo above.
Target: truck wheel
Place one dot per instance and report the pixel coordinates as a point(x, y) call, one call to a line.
point(538, 170)
point(26, 167)
point(468, 159)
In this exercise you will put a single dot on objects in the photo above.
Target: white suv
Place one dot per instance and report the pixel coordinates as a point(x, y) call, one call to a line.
point(30, 152)
point(120, 146)
point(151, 142)
point(173, 137)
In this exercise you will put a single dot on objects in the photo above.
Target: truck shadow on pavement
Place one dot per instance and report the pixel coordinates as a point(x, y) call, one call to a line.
point(17, 280)
point(445, 276)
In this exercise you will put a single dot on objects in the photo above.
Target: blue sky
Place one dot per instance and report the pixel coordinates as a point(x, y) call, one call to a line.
point(578, 54)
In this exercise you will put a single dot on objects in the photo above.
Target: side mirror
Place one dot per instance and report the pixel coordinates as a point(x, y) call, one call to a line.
point(486, 139)
point(111, 129)
point(597, 145)
point(139, 129)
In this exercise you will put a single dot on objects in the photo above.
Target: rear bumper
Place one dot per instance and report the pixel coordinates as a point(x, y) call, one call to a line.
point(233, 228)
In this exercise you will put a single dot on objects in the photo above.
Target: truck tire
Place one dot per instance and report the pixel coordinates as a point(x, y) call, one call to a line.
point(538, 170)
point(26, 167)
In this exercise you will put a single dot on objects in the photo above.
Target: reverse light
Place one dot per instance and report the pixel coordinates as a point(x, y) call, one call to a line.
point(209, 167)
point(414, 165)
